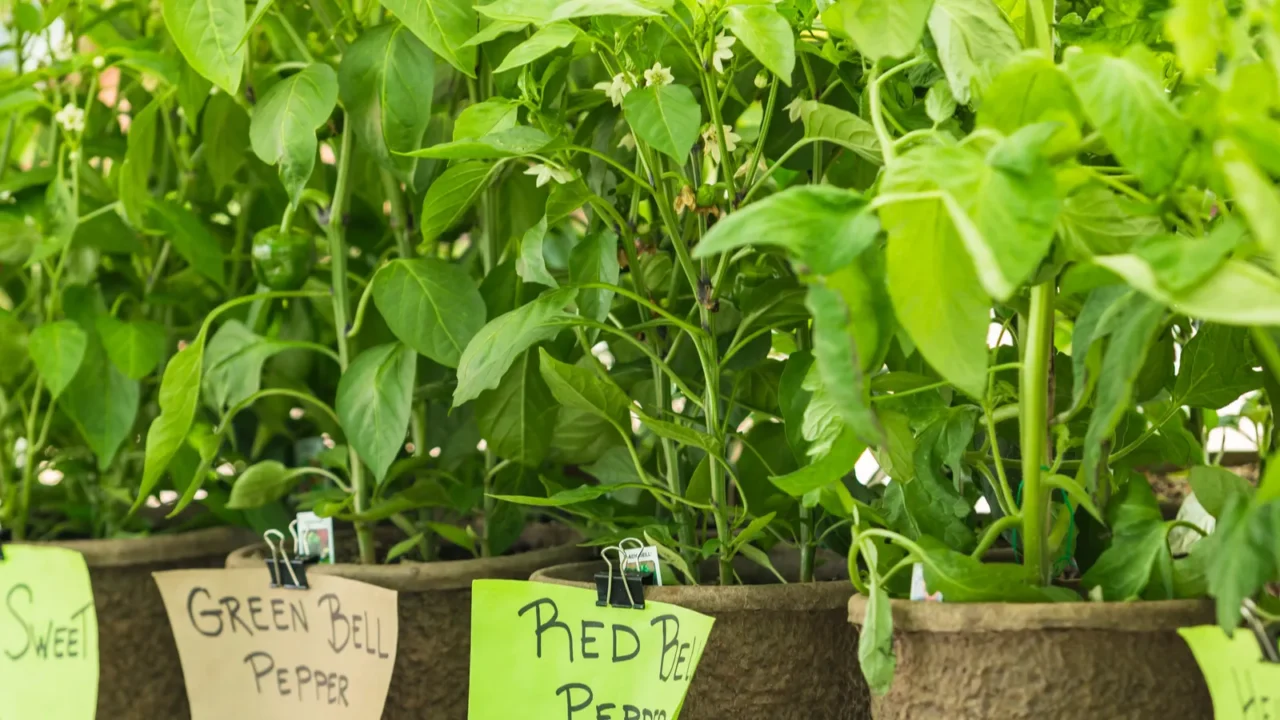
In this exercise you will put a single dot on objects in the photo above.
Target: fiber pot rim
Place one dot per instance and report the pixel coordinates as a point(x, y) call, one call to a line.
point(1138, 616)
point(824, 595)
point(419, 577)
point(177, 547)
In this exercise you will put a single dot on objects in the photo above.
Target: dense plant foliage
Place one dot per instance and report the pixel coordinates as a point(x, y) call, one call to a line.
point(659, 269)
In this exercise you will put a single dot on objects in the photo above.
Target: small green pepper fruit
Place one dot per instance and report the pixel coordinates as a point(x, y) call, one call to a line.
point(282, 261)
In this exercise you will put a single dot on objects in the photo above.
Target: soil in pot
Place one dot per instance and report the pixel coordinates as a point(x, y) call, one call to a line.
point(432, 666)
point(140, 675)
point(1066, 661)
point(783, 652)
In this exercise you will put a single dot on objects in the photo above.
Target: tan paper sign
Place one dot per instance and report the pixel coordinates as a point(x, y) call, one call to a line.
point(253, 652)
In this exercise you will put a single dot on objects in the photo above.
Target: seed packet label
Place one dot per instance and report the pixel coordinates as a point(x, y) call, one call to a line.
point(315, 537)
point(253, 652)
point(919, 589)
point(549, 652)
point(646, 559)
point(1243, 685)
point(48, 635)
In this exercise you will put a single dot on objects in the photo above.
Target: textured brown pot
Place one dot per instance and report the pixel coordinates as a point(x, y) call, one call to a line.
point(432, 670)
point(140, 675)
point(1066, 661)
point(782, 652)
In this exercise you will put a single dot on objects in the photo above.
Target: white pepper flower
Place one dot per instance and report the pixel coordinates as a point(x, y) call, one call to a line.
point(711, 143)
point(722, 52)
point(547, 173)
point(99, 62)
point(71, 118)
point(794, 108)
point(628, 142)
point(617, 88)
point(657, 76)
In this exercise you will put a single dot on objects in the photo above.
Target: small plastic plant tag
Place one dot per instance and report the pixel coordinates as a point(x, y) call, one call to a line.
point(1242, 684)
point(551, 652)
point(645, 559)
point(48, 635)
point(253, 652)
point(315, 536)
point(919, 591)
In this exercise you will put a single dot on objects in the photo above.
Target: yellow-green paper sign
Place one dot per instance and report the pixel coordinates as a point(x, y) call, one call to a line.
point(48, 635)
point(1243, 686)
point(548, 652)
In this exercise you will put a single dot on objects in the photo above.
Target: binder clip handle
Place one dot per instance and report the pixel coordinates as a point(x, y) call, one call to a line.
point(647, 577)
point(5, 535)
point(612, 587)
point(285, 572)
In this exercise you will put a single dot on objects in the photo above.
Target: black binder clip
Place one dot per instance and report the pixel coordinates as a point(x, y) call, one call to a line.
point(1268, 637)
point(610, 587)
point(5, 536)
point(285, 572)
point(647, 576)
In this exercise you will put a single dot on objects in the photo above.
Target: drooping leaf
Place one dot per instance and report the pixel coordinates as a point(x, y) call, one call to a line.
point(532, 265)
point(444, 25)
point(1236, 563)
point(452, 195)
point(961, 578)
point(768, 36)
point(386, 81)
point(179, 397)
point(283, 129)
point(223, 133)
point(838, 355)
point(880, 28)
point(208, 33)
point(1124, 569)
point(135, 172)
point(875, 643)
point(667, 117)
point(135, 348)
point(820, 226)
point(518, 417)
point(374, 401)
point(595, 260)
point(431, 305)
point(548, 39)
point(825, 470)
point(57, 349)
point(103, 403)
point(581, 389)
point(233, 365)
point(1133, 113)
point(974, 41)
point(497, 345)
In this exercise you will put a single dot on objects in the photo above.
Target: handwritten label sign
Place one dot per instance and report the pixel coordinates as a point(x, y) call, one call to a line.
point(253, 652)
point(48, 635)
point(549, 651)
point(1243, 686)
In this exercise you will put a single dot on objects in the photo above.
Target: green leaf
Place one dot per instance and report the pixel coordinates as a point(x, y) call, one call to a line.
point(880, 28)
point(961, 578)
point(875, 641)
point(511, 142)
point(767, 35)
point(452, 195)
point(497, 345)
point(57, 349)
point(1133, 113)
point(1214, 486)
point(283, 129)
point(761, 558)
point(259, 12)
point(840, 355)
point(207, 33)
point(1076, 492)
point(190, 237)
point(823, 471)
point(939, 103)
point(206, 443)
point(1135, 326)
point(1237, 564)
point(595, 260)
point(842, 128)
point(444, 25)
point(103, 403)
point(486, 118)
point(793, 398)
point(223, 132)
point(408, 544)
point(494, 30)
point(547, 40)
point(1086, 339)
point(973, 42)
point(1097, 221)
point(13, 348)
point(820, 226)
point(261, 484)
point(1238, 293)
point(543, 12)
point(134, 347)
point(936, 293)
point(193, 93)
point(1030, 89)
point(584, 493)
point(233, 361)
point(1216, 368)
point(1125, 569)
point(1253, 193)
point(518, 417)
point(431, 305)
point(178, 399)
point(581, 389)
point(374, 400)
point(386, 81)
point(667, 117)
point(532, 265)
point(135, 171)
point(683, 434)
point(1181, 263)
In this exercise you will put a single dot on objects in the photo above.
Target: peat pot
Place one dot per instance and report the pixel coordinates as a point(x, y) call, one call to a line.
point(433, 657)
point(782, 652)
point(140, 675)
point(1066, 661)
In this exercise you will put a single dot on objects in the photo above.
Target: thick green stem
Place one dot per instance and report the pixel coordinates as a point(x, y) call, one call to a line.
point(335, 229)
point(1039, 27)
point(1034, 387)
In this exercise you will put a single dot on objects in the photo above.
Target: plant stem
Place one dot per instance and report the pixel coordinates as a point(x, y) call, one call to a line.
point(335, 229)
point(806, 513)
point(993, 533)
point(1034, 387)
